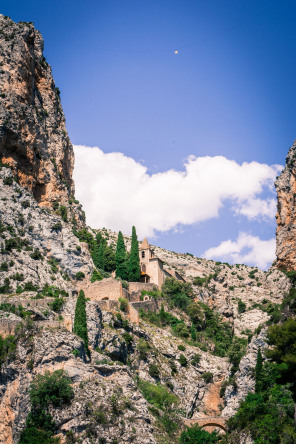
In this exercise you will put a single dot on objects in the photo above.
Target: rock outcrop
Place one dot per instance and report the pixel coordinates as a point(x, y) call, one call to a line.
point(37, 247)
point(286, 214)
point(41, 261)
point(33, 136)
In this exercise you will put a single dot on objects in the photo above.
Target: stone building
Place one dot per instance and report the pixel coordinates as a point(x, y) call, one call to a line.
point(152, 268)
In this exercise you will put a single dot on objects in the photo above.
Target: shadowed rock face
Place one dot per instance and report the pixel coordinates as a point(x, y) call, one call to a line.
point(33, 137)
point(286, 214)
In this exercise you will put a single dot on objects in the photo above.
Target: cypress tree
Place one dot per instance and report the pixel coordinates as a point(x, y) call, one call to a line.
point(99, 238)
point(101, 256)
point(109, 260)
point(120, 258)
point(95, 255)
point(96, 250)
point(258, 372)
point(134, 270)
point(80, 324)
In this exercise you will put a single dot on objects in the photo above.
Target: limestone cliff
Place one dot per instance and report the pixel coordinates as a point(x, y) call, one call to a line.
point(33, 136)
point(41, 261)
point(286, 214)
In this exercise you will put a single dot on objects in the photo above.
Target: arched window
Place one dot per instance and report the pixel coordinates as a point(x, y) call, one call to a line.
point(143, 254)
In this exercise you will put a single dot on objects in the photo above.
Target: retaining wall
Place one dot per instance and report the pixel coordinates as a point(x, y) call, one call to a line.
point(146, 305)
point(108, 289)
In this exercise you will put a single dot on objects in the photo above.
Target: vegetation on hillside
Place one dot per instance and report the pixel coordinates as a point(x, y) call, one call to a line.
point(134, 271)
point(268, 414)
point(121, 258)
point(47, 390)
point(80, 323)
point(204, 327)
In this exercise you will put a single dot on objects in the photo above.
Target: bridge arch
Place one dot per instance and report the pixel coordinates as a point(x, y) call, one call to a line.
point(213, 424)
point(210, 421)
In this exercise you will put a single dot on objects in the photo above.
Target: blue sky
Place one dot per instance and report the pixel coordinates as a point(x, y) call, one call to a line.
point(228, 92)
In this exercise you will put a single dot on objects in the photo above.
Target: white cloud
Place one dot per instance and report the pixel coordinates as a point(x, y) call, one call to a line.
point(246, 249)
point(254, 208)
point(117, 192)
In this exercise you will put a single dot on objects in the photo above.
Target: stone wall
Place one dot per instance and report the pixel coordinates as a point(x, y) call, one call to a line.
point(107, 289)
point(135, 296)
point(133, 314)
point(139, 286)
point(146, 305)
point(40, 304)
point(155, 271)
point(107, 305)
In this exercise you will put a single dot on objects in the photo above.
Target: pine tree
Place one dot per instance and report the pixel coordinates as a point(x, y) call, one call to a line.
point(258, 372)
point(120, 258)
point(134, 270)
point(80, 324)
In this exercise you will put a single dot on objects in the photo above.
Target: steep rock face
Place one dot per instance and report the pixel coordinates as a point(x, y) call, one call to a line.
point(37, 247)
point(33, 137)
point(108, 384)
point(97, 388)
point(244, 377)
point(286, 214)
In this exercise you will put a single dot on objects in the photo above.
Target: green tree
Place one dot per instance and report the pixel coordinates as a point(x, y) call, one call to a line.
point(80, 324)
point(183, 361)
point(95, 255)
point(99, 238)
point(267, 416)
point(47, 391)
point(258, 372)
point(196, 435)
point(120, 258)
point(101, 256)
point(283, 338)
point(109, 260)
point(97, 252)
point(193, 332)
point(134, 270)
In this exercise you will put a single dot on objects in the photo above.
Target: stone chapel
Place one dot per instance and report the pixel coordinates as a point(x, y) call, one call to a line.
point(152, 268)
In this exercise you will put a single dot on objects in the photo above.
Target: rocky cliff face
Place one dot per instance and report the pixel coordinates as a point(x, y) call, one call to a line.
point(41, 260)
point(286, 214)
point(33, 136)
point(37, 247)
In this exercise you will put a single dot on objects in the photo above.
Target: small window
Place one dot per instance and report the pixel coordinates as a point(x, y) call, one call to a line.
point(143, 254)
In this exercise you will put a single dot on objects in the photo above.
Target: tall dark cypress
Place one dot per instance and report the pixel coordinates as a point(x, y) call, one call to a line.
point(258, 372)
point(96, 250)
point(134, 270)
point(95, 255)
point(101, 256)
point(120, 258)
point(80, 324)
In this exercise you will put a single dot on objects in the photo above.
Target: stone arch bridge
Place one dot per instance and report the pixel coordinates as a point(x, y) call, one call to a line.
point(210, 422)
